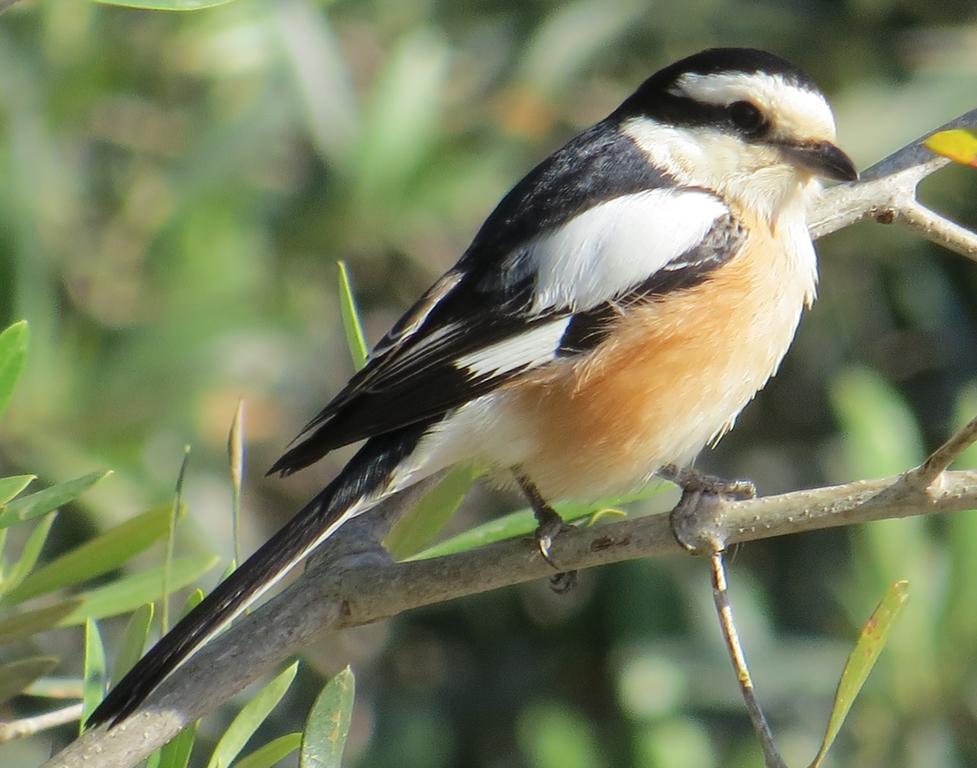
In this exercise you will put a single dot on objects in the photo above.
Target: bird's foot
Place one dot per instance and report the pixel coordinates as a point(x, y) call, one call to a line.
point(698, 520)
point(550, 525)
point(547, 531)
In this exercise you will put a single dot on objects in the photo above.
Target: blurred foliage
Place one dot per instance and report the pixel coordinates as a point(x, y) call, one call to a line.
point(175, 190)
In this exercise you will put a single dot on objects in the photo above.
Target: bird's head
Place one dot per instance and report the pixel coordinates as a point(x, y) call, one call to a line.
point(741, 122)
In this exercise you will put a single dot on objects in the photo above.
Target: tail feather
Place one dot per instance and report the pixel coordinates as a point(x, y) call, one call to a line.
point(364, 478)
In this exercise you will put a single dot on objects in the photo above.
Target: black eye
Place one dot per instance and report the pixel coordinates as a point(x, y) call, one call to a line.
point(746, 117)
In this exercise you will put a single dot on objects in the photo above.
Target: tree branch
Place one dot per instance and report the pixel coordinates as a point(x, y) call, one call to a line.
point(353, 582)
point(344, 594)
point(887, 193)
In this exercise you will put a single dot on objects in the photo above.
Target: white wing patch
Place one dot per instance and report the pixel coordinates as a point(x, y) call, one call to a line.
point(618, 244)
point(528, 349)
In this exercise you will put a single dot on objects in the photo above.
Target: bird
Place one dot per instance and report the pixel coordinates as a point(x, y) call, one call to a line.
point(612, 316)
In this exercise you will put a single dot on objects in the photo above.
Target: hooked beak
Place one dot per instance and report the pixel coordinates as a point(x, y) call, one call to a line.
point(822, 158)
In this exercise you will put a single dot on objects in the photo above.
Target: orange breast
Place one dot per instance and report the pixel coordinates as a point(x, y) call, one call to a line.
point(672, 376)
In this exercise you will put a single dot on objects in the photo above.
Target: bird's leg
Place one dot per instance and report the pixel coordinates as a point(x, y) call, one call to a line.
point(549, 526)
point(697, 520)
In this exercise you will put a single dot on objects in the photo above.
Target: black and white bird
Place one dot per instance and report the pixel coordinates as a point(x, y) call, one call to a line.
point(613, 314)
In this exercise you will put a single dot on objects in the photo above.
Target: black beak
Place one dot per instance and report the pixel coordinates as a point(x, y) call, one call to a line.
point(822, 158)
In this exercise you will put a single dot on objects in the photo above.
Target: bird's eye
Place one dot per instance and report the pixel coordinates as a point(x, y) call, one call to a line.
point(746, 117)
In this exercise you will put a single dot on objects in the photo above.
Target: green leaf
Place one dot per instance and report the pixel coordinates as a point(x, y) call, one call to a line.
point(176, 753)
point(164, 603)
point(121, 596)
point(13, 485)
point(523, 523)
point(235, 456)
point(871, 641)
point(56, 688)
point(22, 625)
point(165, 5)
point(95, 673)
point(129, 592)
point(327, 726)
point(100, 555)
point(133, 640)
point(32, 551)
point(418, 527)
point(195, 598)
point(250, 718)
point(48, 500)
point(355, 338)
point(18, 675)
point(13, 352)
point(271, 753)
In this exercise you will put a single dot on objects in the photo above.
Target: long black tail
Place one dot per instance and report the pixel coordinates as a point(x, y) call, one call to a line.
point(366, 476)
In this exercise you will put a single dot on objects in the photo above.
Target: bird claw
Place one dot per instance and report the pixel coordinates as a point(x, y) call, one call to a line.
point(698, 520)
point(544, 536)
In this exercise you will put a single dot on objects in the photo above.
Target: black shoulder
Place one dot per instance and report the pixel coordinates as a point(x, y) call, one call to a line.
point(593, 167)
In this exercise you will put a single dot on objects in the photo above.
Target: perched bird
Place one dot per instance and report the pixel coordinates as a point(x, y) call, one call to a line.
point(613, 314)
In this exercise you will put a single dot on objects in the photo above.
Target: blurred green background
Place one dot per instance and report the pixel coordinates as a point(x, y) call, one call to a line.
point(175, 190)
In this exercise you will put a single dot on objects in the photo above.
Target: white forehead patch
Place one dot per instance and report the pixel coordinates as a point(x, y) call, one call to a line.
point(793, 110)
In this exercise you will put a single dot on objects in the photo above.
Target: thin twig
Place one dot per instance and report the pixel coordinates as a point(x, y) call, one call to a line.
point(28, 726)
point(937, 462)
point(720, 595)
point(887, 191)
point(939, 229)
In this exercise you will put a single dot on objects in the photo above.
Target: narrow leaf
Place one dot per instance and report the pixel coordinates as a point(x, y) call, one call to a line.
point(871, 641)
point(250, 718)
point(958, 145)
point(22, 625)
point(13, 352)
point(164, 614)
point(18, 675)
point(13, 485)
point(97, 556)
point(523, 523)
point(95, 675)
point(48, 500)
point(56, 688)
point(120, 596)
point(355, 338)
point(271, 753)
point(418, 528)
point(165, 5)
point(195, 598)
point(28, 558)
point(235, 456)
point(133, 640)
point(327, 726)
point(129, 592)
point(176, 753)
